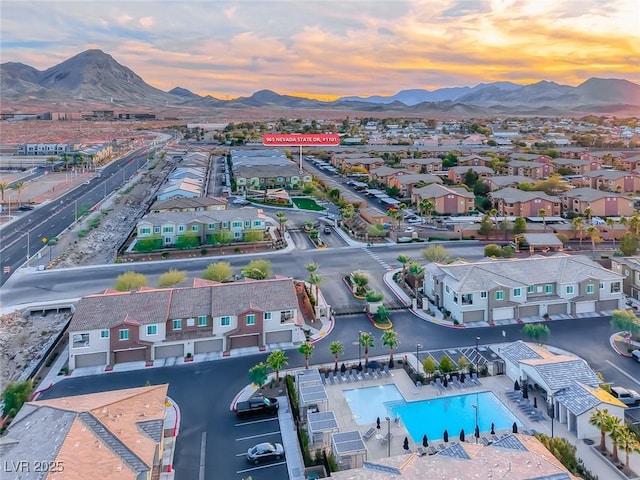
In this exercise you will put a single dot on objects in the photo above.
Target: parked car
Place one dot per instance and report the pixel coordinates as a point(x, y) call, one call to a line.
point(327, 230)
point(636, 355)
point(409, 229)
point(626, 396)
point(257, 405)
point(25, 208)
point(265, 451)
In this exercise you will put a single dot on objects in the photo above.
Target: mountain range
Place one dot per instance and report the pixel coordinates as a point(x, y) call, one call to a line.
point(94, 77)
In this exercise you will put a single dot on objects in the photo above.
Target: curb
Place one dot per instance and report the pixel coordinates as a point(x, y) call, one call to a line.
point(612, 342)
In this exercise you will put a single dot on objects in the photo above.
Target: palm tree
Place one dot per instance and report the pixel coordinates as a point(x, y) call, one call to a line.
point(426, 207)
point(628, 443)
point(336, 348)
point(282, 219)
point(306, 349)
point(611, 223)
point(577, 225)
point(494, 214)
point(367, 341)
point(19, 187)
point(315, 280)
point(416, 270)
point(615, 426)
point(599, 419)
point(543, 213)
point(277, 360)
point(404, 260)
point(587, 212)
point(594, 234)
point(390, 339)
point(361, 280)
point(347, 212)
point(4, 186)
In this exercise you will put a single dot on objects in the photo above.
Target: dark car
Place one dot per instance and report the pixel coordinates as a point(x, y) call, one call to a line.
point(25, 208)
point(265, 451)
point(327, 229)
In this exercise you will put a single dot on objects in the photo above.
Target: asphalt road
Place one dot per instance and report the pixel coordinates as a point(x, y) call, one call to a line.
point(23, 238)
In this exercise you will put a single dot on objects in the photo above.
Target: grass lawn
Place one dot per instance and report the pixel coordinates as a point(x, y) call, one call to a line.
point(307, 204)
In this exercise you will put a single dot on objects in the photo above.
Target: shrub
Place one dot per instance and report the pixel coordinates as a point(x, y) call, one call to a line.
point(15, 395)
point(130, 281)
point(172, 277)
point(82, 233)
point(203, 251)
point(218, 272)
point(165, 255)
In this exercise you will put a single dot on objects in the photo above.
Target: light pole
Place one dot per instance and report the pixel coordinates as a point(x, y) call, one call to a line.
point(553, 414)
point(388, 436)
point(477, 356)
point(418, 346)
point(359, 350)
point(475, 407)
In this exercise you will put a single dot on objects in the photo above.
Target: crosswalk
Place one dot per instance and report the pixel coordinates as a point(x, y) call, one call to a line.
point(384, 264)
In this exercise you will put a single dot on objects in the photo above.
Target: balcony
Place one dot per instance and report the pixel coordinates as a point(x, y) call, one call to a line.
point(179, 335)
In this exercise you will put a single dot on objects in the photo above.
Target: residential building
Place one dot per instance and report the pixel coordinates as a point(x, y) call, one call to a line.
point(520, 203)
point(602, 204)
point(474, 161)
point(197, 204)
point(630, 164)
point(578, 166)
point(406, 183)
point(112, 434)
point(43, 149)
point(446, 200)
point(269, 177)
point(148, 324)
point(383, 174)
point(457, 174)
point(629, 267)
point(501, 181)
point(422, 165)
point(533, 170)
point(207, 225)
point(614, 181)
point(361, 162)
point(491, 290)
point(187, 188)
point(530, 157)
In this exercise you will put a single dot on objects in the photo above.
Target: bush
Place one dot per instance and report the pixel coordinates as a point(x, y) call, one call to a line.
point(130, 281)
point(565, 452)
point(172, 277)
point(203, 251)
point(165, 255)
point(82, 233)
point(15, 395)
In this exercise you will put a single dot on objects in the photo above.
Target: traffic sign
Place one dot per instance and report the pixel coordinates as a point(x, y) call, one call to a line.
point(7, 269)
point(44, 239)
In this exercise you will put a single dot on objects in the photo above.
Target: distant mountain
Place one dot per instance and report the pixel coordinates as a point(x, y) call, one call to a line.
point(95, 78)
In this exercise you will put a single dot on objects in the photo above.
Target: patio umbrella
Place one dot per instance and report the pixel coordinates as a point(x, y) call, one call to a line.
point(462, 377)
point(525, 393)
point(343, 368)
point(514, 428)
point(516, 385)
point(373, 364)
point(425, 441)
point(493, 429)
point(445, 437)
point(359, 367)
point(445, 382)
point(477, 432)
point(535, 402)
point(405, 445)
point(462, 435)
point(378, 423)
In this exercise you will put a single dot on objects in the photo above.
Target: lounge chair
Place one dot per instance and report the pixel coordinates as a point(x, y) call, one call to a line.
point(323, 377)
point(432, 450)
point(494, 438)
point(476, 380)
point(485, 441)
point(345, 377)
point(386, 370)
point(532, 431)
point(387, 437)
point(441, 446)
point(369, 433)
point(421, 452)
point(354, 375)
point(526, 432)
point(338, 377)
point(363, 376)
point(331, 379)
point(536, 416)
point(378, 372)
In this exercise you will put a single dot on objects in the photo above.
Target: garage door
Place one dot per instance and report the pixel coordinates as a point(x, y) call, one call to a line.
point(505, 313)
point(529, 311)
point(206, 346)
point(168, 351)
point(585, 307)
point(606, 305)
point(134, 355)
point(243, 342)
point(279, 337)
point(557, 308)
point(91, 359)
point(476, 316)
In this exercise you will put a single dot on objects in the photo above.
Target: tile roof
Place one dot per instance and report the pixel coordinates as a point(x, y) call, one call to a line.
point(207, 216)
point(512, 442)
point(590, 194)
point(514, 195)
point(506, 180)
point(576, 398)
point(560, 371)
point(237, 297)
point(417, 178)
point(435, 190)
point(455, 450)
point(517, 351)
point(608, 174)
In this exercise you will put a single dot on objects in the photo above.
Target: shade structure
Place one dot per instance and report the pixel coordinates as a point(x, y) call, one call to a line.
point(405, 445)
point(462, 435)
point(493, 429)
point(445, 436)
point(535, 402)
point(477, 432)
point(514, 427)
point(516, 385)
point(378, 423)
point(425, 441)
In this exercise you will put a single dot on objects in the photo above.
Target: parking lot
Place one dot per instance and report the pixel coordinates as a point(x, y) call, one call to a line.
point(249, 432)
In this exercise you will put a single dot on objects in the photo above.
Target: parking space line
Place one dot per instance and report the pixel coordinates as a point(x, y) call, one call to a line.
point(253, 422)
point(261, 467)
point(277, 432)
point(203, 448)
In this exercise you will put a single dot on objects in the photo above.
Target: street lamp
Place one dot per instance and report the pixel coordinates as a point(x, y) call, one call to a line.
point(359, 350)
point(388, 436)
point(477, 356)
point(553, 414)
point(475, 407)
point(418, 346)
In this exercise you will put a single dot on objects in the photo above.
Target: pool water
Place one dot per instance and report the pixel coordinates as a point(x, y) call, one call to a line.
point(430, 417)
point(367, 404)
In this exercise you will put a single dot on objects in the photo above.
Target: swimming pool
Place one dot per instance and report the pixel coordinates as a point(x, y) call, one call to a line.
point(432, 417)
point(368, 403)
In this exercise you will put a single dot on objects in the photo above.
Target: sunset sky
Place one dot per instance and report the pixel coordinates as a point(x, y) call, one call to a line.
point(326, 49)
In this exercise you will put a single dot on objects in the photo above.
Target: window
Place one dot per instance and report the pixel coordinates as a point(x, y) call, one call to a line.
point(236, 224)
point(247, 223)
point(517, 292)
point(167, 229)
point(104, 333)
point(212, 226)
point(589, 289)
point(601, 285)
point(483, 294)
point(81, 340)
point(251, 319)
point(499, 295)
point(225, 321)
point(145, 231)
point(123, 334)
point(531, 289)
point(446, 288)
point(570, 289)
point(267, 315)
point(152, 329)
point(548, 288)
point(181, 228)
point(191, 322)
point(177, 324)
point(615, 287)
point(156, 229)
point(202, 321)
point(195, 228)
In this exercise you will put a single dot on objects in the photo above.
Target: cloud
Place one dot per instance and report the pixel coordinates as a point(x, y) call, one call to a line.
point(333, 48)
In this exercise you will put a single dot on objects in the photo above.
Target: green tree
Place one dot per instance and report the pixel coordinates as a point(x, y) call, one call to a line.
point(376, 230)
point(436, 254)
point(128, 281)
point(417, 272)
point(577, 226)
point(429, 365)
point(625, 320)
point(258, 374)
point(382, 315)
point(282, 220)
point(253, 236)
point(446, 365)
point(543, 214)
point(599, 419)
point(306, 349)
point(347, 212)
point(628, 443)
point(486, 227)
point(148, 244)
point(19, 188)
point(426, 207)
point(536, 331)
point(223, 237)
point(629, 244)
point(366, 341)
point(390, 340)
point(15, 395)
point(189, 239)
point(336, 348)
point(594, 235)
point(277, 360)
point(404, 261)
point(373, 296)
point(172, 277)
point(315, 280)
point(614, 427)
point(258, 269)
point(361, 280)
point(492, 250)
point(218, 272)
point(4, 186)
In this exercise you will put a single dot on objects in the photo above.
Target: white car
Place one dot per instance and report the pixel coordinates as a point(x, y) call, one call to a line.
point(414, 221)
point(409, 229)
